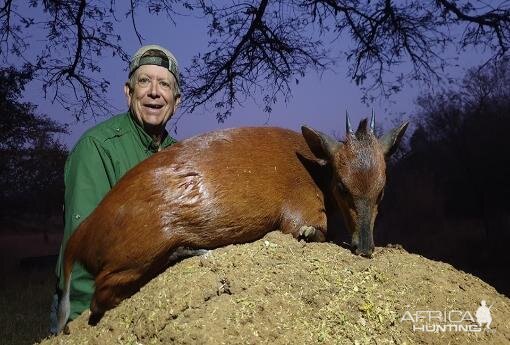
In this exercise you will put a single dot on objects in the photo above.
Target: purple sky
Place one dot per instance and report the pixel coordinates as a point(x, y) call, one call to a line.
point(318, 101)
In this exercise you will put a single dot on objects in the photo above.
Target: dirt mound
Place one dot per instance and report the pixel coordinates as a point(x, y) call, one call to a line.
point(281, 291)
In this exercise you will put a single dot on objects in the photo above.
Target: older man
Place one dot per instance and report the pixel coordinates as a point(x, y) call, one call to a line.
point(107, 151)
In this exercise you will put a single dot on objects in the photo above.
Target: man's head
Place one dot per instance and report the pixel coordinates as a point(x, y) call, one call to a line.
point(153, 91)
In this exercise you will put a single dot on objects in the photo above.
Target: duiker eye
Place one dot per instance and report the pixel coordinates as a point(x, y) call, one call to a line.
point(341, 187)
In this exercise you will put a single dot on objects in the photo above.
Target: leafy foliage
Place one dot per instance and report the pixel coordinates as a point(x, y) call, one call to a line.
point(32, 160)
point(458, 161)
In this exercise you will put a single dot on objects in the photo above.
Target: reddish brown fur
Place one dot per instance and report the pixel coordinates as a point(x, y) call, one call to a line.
point(361, 167)
point(223, 187)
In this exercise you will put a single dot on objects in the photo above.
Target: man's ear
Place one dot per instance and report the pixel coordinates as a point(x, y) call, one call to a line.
point(176, 104)
point(128, 92)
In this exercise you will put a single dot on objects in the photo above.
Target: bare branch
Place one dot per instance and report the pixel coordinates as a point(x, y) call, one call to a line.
point(493, 22)
point(132, 13)
point(257, 48)
point(269, 49)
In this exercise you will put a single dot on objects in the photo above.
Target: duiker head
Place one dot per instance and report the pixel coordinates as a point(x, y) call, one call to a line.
point(358, 166)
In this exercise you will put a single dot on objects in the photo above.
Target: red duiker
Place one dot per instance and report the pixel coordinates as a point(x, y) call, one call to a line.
point(225, 187)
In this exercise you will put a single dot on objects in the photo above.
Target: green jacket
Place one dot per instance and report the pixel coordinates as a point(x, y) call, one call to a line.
point(100, 158)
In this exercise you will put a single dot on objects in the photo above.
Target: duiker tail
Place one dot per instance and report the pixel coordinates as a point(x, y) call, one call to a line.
point(64, 305)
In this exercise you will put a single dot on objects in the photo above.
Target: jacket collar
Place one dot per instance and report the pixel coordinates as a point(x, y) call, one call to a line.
point(147, 141)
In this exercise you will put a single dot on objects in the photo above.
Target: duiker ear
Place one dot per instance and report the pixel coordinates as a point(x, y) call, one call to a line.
point(390, 140)
point(321, 145)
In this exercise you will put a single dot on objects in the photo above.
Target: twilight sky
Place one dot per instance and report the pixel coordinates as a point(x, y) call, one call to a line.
point(317, 101)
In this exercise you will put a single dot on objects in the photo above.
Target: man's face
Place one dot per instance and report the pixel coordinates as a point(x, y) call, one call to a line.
point(152, 100)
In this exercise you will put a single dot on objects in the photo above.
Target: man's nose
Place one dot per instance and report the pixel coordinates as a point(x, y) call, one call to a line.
point(154, 89)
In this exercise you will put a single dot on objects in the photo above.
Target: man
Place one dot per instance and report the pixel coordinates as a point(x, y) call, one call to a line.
point(107, 151)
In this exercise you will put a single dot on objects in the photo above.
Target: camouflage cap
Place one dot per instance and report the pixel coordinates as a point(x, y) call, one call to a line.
point(170, 62)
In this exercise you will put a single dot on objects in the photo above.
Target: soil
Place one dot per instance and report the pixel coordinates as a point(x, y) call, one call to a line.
point(281, 291)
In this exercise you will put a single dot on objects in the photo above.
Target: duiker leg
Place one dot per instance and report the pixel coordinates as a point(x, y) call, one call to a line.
point(308, 222)
point(111, 289)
